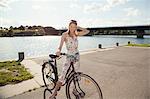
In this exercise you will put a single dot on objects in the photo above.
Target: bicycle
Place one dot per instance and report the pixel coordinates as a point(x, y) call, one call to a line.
point(78, 84)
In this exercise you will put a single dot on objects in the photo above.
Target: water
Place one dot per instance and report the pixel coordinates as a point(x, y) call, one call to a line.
point(43, 45)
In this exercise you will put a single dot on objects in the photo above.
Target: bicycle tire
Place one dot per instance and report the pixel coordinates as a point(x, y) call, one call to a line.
point(47, 93)
point(87, 94)
point(47, 76)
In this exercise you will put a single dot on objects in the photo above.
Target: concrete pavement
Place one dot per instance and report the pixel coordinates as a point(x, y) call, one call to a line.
point(34, 67)
point(122, 73)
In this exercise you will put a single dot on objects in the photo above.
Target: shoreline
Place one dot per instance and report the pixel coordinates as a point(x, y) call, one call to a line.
point(81, 52)
point(83, 36)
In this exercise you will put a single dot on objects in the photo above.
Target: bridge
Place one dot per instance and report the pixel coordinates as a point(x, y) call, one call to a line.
point(139, 30)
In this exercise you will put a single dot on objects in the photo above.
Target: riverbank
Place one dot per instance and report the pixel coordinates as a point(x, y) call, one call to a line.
point(41, 30)
point(139, 45)
point(121, 72)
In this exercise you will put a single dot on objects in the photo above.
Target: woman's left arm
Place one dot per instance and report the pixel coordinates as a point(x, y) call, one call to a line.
point(83, 31)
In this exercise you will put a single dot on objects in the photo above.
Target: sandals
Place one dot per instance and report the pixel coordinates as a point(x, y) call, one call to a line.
point(53, 96)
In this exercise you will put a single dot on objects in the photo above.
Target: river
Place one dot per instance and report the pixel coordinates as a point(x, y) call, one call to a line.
point(43, 45)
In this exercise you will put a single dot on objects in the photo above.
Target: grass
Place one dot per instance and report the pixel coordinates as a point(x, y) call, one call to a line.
point(12, 72)
point(139, 45)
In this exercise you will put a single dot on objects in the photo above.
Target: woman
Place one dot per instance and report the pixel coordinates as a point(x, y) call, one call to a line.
point(71, 41)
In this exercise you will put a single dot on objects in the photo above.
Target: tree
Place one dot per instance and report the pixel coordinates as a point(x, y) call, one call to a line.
point(10, 33)
point(21, 27)
point(11, 28)
point(5, 28)
point(30, 27)
point(1, 28)
point(15, 28)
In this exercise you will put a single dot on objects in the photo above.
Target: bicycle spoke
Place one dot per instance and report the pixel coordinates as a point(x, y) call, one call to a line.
point(86, 88)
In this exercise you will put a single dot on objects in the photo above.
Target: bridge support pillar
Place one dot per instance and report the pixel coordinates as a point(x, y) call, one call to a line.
point(140, 33)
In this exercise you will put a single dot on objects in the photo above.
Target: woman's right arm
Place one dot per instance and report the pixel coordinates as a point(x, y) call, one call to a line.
point(61, 44)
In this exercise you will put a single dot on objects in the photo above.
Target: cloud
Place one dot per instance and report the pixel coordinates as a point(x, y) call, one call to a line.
point(36, 7)
point(40, 0)
point(26, 22)
point(74, 5)
point(132, 12)
point(93, 7)
point(98, 22)
point(99, 7)
point(51, 0)
point(6, 22)
point(116, 2)
point(5, 3)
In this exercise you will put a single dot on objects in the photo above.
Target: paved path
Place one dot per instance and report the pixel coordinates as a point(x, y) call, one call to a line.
point(122, 73)
point(34, 67)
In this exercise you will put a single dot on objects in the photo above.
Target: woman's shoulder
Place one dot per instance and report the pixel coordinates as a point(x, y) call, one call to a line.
point(65, 34)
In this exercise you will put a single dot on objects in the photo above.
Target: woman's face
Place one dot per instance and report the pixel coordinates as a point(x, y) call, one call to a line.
point(72, 27)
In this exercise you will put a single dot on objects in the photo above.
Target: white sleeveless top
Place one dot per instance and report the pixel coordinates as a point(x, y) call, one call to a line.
point(72, 49)
point(72, 45)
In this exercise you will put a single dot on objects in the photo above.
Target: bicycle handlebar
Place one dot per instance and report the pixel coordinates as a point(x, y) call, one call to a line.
point(55, 56)
point(62, 53)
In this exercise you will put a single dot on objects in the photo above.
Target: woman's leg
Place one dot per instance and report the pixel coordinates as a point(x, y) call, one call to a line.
point(57, 87)
point(77, 67)
point(61, 78)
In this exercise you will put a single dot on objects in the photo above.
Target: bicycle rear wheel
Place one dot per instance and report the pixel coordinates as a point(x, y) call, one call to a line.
point(83, 86)
point(48, 76)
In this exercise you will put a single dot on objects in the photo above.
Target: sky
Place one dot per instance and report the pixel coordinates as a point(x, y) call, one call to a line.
point(88, 13)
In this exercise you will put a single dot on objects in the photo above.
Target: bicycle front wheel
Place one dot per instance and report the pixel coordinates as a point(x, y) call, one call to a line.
point(48, 76)
point(83, 86)
point(47, 93)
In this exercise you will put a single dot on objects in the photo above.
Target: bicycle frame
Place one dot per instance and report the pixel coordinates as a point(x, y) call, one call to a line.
point(68, 75)
point(54, 67)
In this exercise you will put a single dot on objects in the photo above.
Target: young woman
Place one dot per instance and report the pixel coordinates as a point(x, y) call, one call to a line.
point(70, 38)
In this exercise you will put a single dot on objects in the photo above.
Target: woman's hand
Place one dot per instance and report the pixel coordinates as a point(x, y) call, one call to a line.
point(80, 28)
point(58, 53)
point(83, 31)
